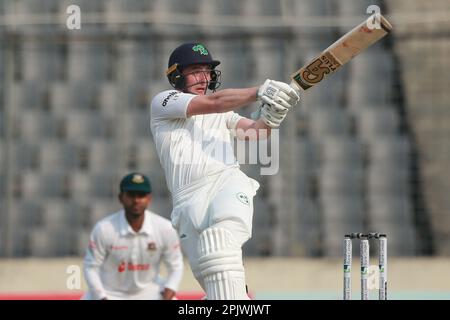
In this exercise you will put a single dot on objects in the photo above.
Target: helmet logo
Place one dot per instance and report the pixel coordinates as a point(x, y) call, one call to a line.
point(200, 48)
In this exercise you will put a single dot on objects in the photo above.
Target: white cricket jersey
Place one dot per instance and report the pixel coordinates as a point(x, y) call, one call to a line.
point(190, 148)
point(122, 264)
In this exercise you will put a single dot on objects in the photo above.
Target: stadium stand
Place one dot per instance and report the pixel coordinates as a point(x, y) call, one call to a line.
point(355, 154)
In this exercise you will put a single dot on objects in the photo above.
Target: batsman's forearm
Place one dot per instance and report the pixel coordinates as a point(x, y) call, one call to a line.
point(233, 99)
point(262, 129)
point(248, 129)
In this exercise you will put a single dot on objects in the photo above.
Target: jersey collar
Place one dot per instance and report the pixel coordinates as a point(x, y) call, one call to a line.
point(125, 228)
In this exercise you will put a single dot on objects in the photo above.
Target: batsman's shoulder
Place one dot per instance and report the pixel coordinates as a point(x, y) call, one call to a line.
point(162, 99)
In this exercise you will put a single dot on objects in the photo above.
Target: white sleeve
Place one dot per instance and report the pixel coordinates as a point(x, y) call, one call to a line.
point(95, 255)
point(170, 104)
point(173, 260)
point(232, 119)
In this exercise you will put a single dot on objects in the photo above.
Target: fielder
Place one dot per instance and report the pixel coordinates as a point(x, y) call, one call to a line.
point(212, 198)
point(126, 249)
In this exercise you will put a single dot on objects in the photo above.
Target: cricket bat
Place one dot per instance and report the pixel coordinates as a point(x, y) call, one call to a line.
point(342, 51)
point(339, 53)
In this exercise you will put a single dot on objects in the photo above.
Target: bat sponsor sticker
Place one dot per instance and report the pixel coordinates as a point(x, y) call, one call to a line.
point(315, 71)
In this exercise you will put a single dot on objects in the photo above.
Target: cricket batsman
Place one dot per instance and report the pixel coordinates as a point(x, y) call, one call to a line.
point(212, 198)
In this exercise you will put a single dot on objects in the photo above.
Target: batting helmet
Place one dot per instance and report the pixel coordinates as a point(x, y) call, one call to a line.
point(188, 54)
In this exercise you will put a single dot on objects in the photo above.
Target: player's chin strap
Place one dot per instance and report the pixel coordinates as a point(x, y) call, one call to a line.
point(220, 265)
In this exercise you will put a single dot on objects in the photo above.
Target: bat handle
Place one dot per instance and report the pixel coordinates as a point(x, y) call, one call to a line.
point(256, 114)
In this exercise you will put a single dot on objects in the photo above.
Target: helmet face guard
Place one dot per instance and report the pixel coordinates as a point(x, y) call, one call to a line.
point(189, 54)
point(178, 80)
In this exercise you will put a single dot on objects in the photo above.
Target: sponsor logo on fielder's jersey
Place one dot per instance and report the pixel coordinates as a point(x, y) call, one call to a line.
point(173, 94)
point(133, 267)
point(119, 247)
point(122, 267)
point(151, 246)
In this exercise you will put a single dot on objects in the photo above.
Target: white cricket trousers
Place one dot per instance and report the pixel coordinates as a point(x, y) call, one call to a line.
point(223, 200)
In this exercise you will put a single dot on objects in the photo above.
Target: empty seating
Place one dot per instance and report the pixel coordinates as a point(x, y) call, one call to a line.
point(34, 126)
point(377, 63)
point(389, 180)
point(401, 238)
point(90, 186)
point(329, 121)
point(22, 10)
point(377, 121)
point(343, 151)
point(109, 97)
point(261, 8)
point(221, 7)
point(57, 214)
point(136, 60)
point(268, 59)
point(136, 96)
point(333, 236)
point(351, 8)
point(364, 70)
point(82, 241)
point(72, 96)
point(2, 188)
point(58, 157)
point(342, 208)
point(360, 94)
point(35, 186)
point(329, 93)
point(100, 209)
point(29, 213)
point(308, 155)
point(41, 61)
point(393, 151)
point(135, 125)
point(119, 11)
point(236, 62)
point(142, 154)
point(312, 8)
point(335, 180)
point(2, 125)
point(103, 156)
point(28, 95)
point(25, 156)
point(47, 243)
point(84, 126)
point(177, 6)
point(182, 8)
point(89, 61)
point(390, 209)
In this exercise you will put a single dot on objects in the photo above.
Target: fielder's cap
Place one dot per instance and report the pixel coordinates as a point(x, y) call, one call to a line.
point(192, 53)
point(135, 182)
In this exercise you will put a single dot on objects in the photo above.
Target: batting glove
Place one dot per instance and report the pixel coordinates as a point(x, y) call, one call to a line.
point(278, 92)
point(273, 115)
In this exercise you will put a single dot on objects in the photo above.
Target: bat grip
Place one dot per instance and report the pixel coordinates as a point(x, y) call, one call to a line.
point(257, 114)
